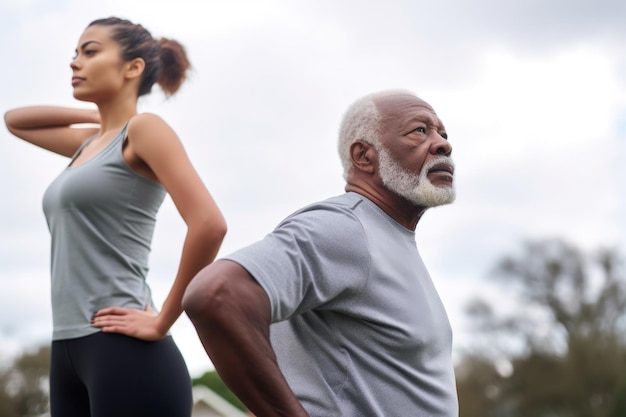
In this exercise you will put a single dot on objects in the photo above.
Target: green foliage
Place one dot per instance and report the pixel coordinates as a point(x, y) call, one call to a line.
point(212, 380)
point(565, 343)
point(23, 386)
point(478, 386)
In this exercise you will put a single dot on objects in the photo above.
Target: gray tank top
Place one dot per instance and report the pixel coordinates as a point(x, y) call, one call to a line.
point(101, 215)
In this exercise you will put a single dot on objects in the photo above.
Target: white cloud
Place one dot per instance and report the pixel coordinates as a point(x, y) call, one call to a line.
point(533, 115)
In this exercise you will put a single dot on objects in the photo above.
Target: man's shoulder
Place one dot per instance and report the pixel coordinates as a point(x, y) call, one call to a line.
point(327, 219)
point(347, 203)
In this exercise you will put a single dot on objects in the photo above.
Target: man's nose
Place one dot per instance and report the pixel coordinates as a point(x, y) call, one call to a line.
point(441, 146)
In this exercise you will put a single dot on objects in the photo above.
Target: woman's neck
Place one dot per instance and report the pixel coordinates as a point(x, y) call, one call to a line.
point(116, 112)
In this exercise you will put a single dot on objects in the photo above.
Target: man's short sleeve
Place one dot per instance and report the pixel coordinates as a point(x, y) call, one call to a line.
point(311, 259)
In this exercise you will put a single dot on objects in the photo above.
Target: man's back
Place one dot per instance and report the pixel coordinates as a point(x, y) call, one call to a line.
point(359, 329)
point(334, 313)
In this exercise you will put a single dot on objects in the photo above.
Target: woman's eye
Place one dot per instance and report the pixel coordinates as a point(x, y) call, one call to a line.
point(89, 52)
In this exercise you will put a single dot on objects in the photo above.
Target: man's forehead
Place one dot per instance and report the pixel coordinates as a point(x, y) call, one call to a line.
point(398, 108)
point(395, 105)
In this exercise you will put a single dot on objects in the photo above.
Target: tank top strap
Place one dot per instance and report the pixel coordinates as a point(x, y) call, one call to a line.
point(82, 146)
point(124, 131)
point(123, 134)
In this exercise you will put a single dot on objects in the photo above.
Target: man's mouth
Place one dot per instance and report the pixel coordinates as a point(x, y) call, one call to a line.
point(442, 168)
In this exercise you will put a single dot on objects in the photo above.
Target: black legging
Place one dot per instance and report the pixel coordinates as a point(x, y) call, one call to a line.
point(112, 375)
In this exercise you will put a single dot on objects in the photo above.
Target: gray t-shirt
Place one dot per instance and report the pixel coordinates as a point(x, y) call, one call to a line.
point(101, 215)
point(358, 327)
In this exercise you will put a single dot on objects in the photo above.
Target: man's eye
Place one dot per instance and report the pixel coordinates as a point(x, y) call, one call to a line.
point(421, 129)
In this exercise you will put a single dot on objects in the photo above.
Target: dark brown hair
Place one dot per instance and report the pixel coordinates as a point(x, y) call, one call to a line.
point(166, 59)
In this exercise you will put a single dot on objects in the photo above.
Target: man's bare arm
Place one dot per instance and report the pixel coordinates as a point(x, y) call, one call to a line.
point(231, 313)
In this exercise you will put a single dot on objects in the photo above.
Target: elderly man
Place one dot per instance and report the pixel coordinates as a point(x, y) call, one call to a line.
point(334, 312)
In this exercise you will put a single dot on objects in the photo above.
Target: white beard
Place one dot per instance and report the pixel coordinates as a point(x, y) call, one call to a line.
point(416, 188)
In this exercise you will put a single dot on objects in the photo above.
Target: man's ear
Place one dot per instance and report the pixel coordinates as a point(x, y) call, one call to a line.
point(134, 68)
point(363, 156)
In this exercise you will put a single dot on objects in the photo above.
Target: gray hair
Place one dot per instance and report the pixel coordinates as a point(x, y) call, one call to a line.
point(362, 122)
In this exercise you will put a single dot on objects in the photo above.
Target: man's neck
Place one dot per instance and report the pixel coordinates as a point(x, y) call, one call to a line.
point(398, 208)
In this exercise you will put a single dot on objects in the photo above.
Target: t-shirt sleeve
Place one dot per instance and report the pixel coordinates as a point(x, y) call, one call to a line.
point(310, 259)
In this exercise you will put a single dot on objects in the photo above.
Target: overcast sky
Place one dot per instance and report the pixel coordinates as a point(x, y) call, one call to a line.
point(533, 95)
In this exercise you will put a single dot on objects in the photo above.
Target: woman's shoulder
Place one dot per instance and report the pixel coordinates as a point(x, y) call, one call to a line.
point(145, 121)
point(149, 127)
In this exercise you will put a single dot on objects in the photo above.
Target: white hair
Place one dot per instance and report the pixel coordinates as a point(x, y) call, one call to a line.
point(362, 122)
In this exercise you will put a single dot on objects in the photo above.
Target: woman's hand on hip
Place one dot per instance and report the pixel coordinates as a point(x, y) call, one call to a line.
point(141, 324)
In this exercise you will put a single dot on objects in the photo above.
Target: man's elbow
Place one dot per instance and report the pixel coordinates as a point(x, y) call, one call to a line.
point(224, 293)
point(198, 300)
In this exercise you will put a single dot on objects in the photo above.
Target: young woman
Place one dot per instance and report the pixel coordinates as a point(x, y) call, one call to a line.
point(111, 352)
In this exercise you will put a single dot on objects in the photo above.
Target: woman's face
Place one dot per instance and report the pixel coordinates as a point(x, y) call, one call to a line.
point(97, 68)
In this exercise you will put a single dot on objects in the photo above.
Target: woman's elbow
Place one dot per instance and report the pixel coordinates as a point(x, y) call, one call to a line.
point(214, 229)
point(9, 122)
point(219, 230)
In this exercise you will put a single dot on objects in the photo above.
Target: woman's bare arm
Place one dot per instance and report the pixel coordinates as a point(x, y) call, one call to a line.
point(158, 147)
point(51, 127)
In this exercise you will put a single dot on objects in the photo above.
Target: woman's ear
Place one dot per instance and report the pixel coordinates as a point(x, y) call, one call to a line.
point(134, 68)
point(363, 156)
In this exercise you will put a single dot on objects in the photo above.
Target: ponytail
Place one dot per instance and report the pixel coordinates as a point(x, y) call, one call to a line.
point(174, 65)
